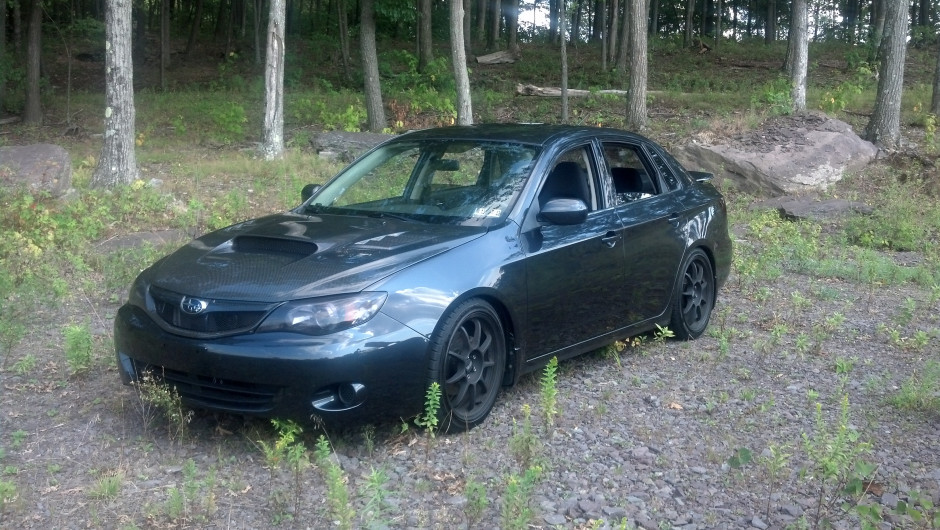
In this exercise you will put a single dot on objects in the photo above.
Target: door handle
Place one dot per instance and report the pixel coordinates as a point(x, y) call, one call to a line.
point(611, 238)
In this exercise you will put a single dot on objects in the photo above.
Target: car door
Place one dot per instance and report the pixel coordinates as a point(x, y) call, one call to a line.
point(573, 271)
point(649, 209)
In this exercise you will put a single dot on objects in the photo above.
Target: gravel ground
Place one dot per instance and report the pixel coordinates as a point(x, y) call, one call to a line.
point(648, 440)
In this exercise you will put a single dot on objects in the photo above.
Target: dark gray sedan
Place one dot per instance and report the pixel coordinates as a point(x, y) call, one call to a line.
point(465, 256)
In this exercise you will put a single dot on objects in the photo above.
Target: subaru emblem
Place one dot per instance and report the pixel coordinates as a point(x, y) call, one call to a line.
point(193, 306)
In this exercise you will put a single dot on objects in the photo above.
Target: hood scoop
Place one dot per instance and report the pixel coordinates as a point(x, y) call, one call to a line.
point(272, 245)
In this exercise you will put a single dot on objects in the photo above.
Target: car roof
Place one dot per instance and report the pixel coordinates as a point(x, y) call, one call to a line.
point(530, 133)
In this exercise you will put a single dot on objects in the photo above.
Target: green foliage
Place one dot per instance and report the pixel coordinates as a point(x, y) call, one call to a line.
point(775, 97)
point(337, 497)
point(741, 457)
point(432, 408)
point(524, 444)
point(919, 391)
point(107, 487)
point(377, 506)
point(229, 119)
point(156, 398)
point(549, 393)
point(78, 348)
point(516, 514)
point(477, 501)
point(194, 500)
point(8, 494)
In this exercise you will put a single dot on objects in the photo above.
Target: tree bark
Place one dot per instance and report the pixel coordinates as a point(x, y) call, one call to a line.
point(614, 30)
point(343, 22)
point(272, 144)
point(562, 17)
point(117, 163)
point(884, 128)
point(636, 93)
point(459, 58)
point(935, 100)
point(624, 52)
point(32, 113)
point(370, 67)
point(194, 29)
point(799, 43)
point(512, 26)
point(770, 35)
point(689, 31)
point(3, 52)
point(425, 51)
point(164, 42)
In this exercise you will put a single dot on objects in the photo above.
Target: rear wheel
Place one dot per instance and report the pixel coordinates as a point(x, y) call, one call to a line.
point(468, 358)
point(695, 297)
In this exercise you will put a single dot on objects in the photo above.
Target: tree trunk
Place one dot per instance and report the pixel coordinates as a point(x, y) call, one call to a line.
point(935, 100)
point(877, 27)
point(370, 67)
point(512, 26)
point(459, 58)
point(614, 29)
point(425, 51)
point(164, 42)
point(799, 43)
point(257, 26)
point(492, 35)
point(117, 163)
point(654, 17)
point(343, 23)
point(3, 51)
point(562, 17)
point(602, 14)
point(636, 93)
point(32, 113)
point(718, 24)
point(624, 52)
point(884, 128)
point(466, 27)
point(770, 34)
point(272, 143)
point(194, 30)
point(689, 31)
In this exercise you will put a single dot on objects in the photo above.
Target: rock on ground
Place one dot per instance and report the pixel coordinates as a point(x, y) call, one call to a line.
point(40, 167)
point(788, 155)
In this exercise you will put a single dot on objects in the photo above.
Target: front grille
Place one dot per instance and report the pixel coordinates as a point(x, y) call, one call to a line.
point(216, 393)
point(218, 316)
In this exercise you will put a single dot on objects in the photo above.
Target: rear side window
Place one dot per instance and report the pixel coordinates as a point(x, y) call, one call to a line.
point(631, 180)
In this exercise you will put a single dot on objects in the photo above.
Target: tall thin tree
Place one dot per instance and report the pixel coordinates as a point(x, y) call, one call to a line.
point(3, 52)
point(117, 163)
point(32, 113)
point(459, 58)
point(636, 92)
point(272, 143)
point(884, 127)
point(375, 109)
point(562, 17)
point(425, 49)
point(799, 43)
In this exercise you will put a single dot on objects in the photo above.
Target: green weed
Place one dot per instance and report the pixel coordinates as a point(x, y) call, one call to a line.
point(516, 513)
point(524, 444)
point(919, 392)
point(340, 508)
point(78, 348)
point(549, 393)
point(156, 398)
point(477, 501)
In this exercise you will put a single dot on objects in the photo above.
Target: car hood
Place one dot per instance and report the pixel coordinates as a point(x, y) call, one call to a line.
point(291, 256)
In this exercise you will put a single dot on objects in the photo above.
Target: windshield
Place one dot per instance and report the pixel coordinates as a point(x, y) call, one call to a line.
point(455, 182)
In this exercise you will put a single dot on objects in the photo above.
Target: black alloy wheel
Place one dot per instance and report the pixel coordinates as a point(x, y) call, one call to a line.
point(468, 359)
point(695, 297)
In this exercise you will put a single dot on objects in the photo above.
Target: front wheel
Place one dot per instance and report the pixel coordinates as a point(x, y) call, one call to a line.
point(695, 297)
point(468, 358)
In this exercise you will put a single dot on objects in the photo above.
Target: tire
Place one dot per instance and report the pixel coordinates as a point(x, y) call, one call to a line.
point(468, 359)
point(694, 298)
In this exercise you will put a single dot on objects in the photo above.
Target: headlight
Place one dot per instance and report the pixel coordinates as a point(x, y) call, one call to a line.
point(324, 315)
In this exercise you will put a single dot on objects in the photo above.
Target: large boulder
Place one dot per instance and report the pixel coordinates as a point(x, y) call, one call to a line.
point(788, 155)
point(39, 167)
point(346, 146)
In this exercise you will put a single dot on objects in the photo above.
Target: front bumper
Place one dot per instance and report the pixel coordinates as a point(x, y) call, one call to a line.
point(372, 371)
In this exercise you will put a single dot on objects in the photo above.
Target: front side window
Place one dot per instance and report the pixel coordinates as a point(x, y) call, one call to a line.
point(439, 181)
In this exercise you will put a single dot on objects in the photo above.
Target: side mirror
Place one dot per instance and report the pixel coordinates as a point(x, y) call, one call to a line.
point(701, 176)
point(564, 211)
point(308, 191)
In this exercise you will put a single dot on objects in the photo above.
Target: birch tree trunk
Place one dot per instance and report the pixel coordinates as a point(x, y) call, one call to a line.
point(884, 128)
point(117, 163)
point(272, 143)
point(370, 67)
point(799, 43)
point(459, 58)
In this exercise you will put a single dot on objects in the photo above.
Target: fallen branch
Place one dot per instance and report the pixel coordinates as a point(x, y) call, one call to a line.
point(554, 92)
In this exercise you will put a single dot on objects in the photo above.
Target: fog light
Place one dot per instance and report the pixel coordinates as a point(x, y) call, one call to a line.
point(343, 396)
